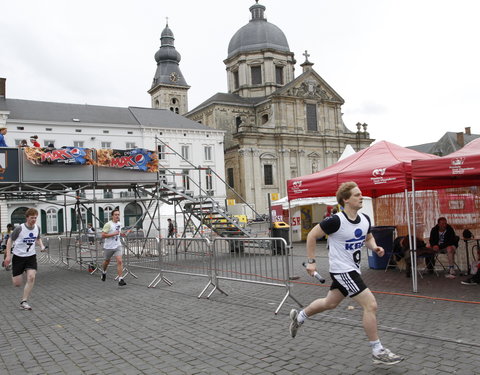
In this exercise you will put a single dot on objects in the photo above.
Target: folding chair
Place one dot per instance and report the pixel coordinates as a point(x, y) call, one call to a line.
point(444, 252)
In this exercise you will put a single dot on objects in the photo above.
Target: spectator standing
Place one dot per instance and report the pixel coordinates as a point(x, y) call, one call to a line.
point(3, 131)
point(23, 143)
point(91, 233)
point(24, 259)
point(34, 140)
point(171, 230)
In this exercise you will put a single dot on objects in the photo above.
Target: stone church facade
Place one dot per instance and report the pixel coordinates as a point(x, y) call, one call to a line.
point(277, 126)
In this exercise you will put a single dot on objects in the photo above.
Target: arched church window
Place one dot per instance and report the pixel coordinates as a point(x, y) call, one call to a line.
point(171, 109)
point(157, 104)
point(174, 101)
point(264, 119)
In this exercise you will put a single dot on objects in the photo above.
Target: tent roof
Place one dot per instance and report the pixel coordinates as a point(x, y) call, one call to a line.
point(460, 168)
point(383, 168)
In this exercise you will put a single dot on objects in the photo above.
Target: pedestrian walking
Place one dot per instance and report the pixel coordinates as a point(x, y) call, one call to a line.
point(112, 246)
point(24, 259)
point(347, 232)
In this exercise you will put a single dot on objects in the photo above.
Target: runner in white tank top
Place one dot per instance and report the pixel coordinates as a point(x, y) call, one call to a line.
point(24, 259)
point(347, 232)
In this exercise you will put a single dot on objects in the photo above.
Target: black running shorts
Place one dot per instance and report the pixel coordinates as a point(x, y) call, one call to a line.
point(349, 283)
point(20, 264)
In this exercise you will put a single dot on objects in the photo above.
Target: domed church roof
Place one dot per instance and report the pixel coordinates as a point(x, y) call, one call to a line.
point(257, 34)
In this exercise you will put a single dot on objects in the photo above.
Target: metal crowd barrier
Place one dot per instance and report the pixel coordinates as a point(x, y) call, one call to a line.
point(187, 256)
point(252, 260)
point(265, 261)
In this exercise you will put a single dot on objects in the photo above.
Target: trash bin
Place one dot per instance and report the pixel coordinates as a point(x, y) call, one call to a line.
point(384, 236)
point(280, 230)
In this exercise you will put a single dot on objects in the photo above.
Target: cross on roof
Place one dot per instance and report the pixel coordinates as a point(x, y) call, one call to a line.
point(306, 55)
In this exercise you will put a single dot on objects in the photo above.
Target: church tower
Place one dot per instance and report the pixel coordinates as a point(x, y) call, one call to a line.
point(259, 59)
point(169, 89)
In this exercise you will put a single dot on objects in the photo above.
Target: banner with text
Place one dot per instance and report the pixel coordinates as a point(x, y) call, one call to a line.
point(137, 159)
point(65, 155)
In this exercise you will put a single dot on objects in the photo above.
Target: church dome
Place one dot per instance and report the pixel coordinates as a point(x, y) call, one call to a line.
point(258, 34)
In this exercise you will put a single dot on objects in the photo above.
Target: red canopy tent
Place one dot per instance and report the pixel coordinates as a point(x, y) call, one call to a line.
point(384, 168)
point(460, 168)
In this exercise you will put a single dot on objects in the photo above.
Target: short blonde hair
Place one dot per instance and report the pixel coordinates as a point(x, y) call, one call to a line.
point(345, 191)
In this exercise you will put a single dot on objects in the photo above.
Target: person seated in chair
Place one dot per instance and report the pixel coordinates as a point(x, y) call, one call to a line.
point(444, 240)
point(402, 248)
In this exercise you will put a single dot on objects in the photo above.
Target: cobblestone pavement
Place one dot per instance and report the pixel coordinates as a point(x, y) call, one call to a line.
point(80, 325)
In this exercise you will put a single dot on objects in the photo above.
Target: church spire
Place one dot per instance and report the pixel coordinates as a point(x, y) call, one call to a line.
point(169, 88)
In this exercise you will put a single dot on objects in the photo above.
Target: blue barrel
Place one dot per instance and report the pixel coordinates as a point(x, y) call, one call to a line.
point(384, 236)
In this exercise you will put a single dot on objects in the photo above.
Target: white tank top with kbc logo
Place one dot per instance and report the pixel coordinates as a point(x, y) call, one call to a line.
point(24, 245)
point(346, 243)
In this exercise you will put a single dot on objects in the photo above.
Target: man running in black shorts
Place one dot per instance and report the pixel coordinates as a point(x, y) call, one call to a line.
point(347, 232)
point(23, 239)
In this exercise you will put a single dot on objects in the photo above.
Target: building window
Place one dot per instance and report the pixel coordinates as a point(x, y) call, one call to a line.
point(78, 143)
point(186, 152)
point(208, 153)
point(312, 117)
point(106, 131)
point(264, 119)
point(236, 82)
point(279, 74)
point(230, 179)
point(129, 132)
point(107, 214)
point(209, 183)
point(107, 193)
point(256, 75)
point(238, 122)
point(186, 179)
point(161, 152)
point(48, 129)
point(20, 128)
point(52, 221)
point(268, 174)
point(78, 130)
point(49, 143)
point(130, 145)
point(106, 144)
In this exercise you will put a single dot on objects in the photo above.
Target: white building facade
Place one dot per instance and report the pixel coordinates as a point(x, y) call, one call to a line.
point(180, 143)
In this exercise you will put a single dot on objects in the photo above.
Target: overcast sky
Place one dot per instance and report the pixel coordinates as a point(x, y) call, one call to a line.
point(410, 69)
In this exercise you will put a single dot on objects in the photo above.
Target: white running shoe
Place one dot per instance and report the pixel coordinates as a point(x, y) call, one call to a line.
point(386, 357)
point(295, 324)
point(24, 305)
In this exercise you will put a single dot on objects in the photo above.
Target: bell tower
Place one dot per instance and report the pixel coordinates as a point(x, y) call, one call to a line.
point(169, 89)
